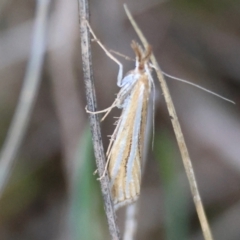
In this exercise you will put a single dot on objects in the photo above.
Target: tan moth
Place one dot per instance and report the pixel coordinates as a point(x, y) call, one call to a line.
point(125, 150)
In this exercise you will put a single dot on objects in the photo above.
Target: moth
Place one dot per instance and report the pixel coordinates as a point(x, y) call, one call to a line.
point(125, 150)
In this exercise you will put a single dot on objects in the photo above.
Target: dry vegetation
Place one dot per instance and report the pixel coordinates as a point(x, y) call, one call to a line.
point(52, 183)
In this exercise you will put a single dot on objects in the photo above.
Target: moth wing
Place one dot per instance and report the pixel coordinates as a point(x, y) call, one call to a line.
point(126, 150)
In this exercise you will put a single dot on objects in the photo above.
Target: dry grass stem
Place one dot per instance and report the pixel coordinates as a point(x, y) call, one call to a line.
point(179, 136)
point(130, 229)
point(27, 97)
point(94, 120)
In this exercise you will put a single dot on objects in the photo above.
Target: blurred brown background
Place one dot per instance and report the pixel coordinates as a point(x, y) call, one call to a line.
point(195, 40)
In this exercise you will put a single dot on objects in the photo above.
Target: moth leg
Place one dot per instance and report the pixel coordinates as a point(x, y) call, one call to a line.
point(121, 55)
point(106, 110)
point(105, 169)
point(109, 152)
point(101, 111)
point(120, 70)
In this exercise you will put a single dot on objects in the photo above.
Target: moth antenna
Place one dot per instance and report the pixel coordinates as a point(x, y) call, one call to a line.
point(197, 86)
point(137, 50)
point(121, 55)
point(148, 53)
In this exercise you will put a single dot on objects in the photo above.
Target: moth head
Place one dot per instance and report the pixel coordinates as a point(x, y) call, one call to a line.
point(142, 57)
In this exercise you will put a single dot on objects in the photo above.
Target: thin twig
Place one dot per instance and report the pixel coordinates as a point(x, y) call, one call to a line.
point(131, 222)
point(28, 95)
point(94, 120)
point(179, 136)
